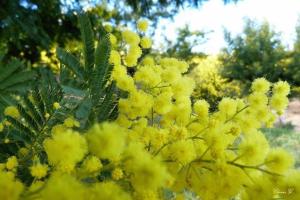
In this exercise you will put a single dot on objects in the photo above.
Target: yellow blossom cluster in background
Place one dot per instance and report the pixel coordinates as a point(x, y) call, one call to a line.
point(210, 85)
point(161, 141)
point(50, 59)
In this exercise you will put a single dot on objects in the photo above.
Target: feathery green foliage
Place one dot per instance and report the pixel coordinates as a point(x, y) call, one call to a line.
point(257, 52)
point(14, 80)
point(91, 75)
point(36, 107)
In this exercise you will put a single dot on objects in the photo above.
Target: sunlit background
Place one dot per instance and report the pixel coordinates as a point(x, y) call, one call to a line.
point(215, 16)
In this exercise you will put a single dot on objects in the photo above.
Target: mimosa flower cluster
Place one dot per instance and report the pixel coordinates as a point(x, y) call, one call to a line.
point(161, 142)
point(210, 85)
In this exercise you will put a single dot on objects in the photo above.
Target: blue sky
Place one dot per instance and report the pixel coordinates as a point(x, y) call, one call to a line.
point(215, 16)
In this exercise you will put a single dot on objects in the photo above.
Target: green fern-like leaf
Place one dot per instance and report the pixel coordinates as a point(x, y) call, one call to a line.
point(102, 66)
point(108, 104)
point(36, 112)
point(17, 78)
point(38, 101)
point(14, 79)
point(94, 97)
point(71, 62)
point(21, 127)
point(34, 106)
point(87, 36)
point(6, 100)
point(30, 121)
point(13, 66)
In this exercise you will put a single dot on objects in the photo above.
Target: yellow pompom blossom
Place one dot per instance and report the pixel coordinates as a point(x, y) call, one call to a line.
point(11, 163)
point(261, 188)
point(71, 122)
point(124, 121)
point(56, 105)
point(201, 108)
point(138, 104)
point(162, 103)
point(147, 194)
point(112, 39)
point(254, 148)
point(281, 88)
point(142, 25)
point(131, 59)
point(131, 37)
point(39, 170)
point(182, 152)
point(260, 85)
point(115, 57)
point(279, 160)
point(10, 189)
point(12, 111)
point(124, 81)
point(117, 174)
point(228, 106)
point(148, 60)
point(146, 42)
point(146, 172)
point(65, 149)
point(63, 186)
point(170, 75)
point(23, 151)
point(133, 55)
point(279, 100)
point(217, 185)
point(183, 87)
point(257, 99)
point(106, 140)
point(108, 190)
point(147, 75)
point(290, 185)
point(168, 63)
point(92, 164)
point(59, 128)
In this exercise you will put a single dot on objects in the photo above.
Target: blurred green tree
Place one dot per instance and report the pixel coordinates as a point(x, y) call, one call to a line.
point(257, 52)
point(27, 27)
point(293, 72)
point(186, 41)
